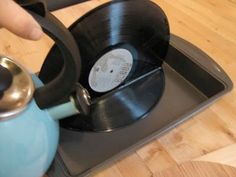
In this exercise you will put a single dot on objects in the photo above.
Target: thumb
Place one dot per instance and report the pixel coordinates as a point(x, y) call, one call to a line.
point(18, 21)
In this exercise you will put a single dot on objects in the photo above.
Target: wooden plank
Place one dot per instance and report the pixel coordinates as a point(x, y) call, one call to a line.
point(156, 157)
point(112, 171)
point(198, 169)
point(201, 35)
point(224, 156)
point(133, 166)
point(197, 137)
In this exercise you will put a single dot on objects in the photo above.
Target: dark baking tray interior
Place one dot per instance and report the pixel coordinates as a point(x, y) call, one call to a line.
point(193, 82)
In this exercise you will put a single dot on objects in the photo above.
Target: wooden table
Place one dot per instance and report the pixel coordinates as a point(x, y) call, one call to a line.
point(210, 136)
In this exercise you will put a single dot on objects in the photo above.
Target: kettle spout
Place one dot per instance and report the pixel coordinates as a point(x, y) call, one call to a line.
point(79, 104)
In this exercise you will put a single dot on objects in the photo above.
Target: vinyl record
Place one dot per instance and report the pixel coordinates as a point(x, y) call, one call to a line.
point(122, 46)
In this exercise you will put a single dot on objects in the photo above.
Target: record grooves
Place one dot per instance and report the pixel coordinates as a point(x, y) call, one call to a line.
point(122, 46)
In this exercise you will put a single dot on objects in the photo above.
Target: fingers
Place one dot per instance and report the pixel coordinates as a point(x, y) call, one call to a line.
point(18, 21)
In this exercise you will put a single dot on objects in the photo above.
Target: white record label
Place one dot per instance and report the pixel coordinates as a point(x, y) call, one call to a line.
point(110, 70)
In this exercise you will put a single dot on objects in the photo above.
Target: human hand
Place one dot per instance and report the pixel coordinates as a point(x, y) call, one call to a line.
point(18, 21)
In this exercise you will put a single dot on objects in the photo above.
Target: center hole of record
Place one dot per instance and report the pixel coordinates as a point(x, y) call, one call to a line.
point(110, 70)
point(97, 69)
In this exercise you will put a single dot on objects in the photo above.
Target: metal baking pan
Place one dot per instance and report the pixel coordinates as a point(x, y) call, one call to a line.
point(193, 82)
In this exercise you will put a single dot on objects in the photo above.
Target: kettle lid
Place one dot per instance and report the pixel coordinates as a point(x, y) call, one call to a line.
point(16, 88)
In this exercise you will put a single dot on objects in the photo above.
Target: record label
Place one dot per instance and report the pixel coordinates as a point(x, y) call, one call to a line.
point(110, 70)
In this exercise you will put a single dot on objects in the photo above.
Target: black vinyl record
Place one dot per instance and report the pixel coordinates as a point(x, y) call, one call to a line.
point(122, 46)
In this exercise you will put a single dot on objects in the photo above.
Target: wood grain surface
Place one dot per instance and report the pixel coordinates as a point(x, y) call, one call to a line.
point(209, 136)
point(198, 169)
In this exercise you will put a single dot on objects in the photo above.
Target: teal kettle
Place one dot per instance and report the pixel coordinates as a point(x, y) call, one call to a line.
point(30, 110)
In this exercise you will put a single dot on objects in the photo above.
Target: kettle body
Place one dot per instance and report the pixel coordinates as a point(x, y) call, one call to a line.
point(28, 143)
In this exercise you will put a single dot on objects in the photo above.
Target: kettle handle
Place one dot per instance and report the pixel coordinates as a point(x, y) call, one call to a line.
point(50, 94)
